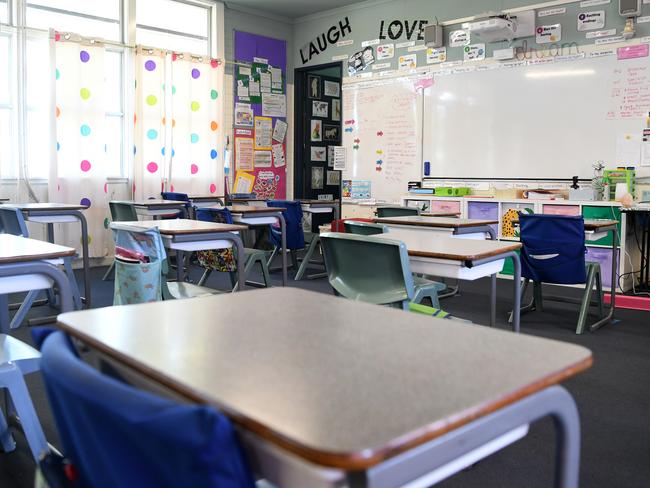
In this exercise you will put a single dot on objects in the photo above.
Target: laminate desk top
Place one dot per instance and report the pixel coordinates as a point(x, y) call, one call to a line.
point(248, 210)
point(441, 213)
point(440, 222)
point(337, 382)
point(47, 207)
point(154, 203)
point(15, 249)
point(319, 202)
point(183, 226)
point(205, 198)
point(452, 248)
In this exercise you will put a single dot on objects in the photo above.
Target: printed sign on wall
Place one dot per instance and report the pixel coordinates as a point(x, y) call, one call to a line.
point(408, 61)
point(435, 56)
point(549, 33)
point(474, 52)
point(591, 20)
point(385, 51)
point(458, 38)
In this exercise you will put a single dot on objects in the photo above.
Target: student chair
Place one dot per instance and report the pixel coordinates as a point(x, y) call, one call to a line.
point(295, 235)
point(114, 434)
point(142, 282)
point(364, 228)
point(397, 211)
point(13, 222)
point(120, 212)
point(554, 252)
point(223, 260)
point(374, 270)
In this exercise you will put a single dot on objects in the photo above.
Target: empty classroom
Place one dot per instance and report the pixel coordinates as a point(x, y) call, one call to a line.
point(327, 243)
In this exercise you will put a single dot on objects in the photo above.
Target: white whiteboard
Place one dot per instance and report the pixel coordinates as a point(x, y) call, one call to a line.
point(536, 121)
point(382, 134)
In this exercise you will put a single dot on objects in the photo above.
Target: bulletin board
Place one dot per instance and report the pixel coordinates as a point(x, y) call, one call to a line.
point(260, 113)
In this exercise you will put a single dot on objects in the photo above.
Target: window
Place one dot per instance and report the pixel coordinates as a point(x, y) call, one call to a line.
point(114, 114)
point(4, 12)
point(173, 24)
point(37, 113)
point(7, 161)
point(96, 18)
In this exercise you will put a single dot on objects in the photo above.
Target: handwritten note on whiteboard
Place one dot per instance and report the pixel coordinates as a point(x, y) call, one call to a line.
point(630, 92)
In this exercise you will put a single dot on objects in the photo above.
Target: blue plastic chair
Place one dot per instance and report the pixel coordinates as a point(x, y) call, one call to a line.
point(554, 252)
point(295, 234)
point(117, 435)
point(179, 197)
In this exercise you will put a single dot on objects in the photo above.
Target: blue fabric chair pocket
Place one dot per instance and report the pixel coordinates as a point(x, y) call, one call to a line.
point(557, 264)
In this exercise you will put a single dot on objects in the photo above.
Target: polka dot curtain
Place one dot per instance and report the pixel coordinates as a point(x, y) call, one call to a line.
point(150, 122)
point(197, 136)
point(78, 174)
point(178, 129)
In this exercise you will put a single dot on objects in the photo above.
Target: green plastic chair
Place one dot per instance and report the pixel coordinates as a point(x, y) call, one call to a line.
point(426, 288)
point(373, 270)
point(397, 211)
point(364, 228)
point(120, 212)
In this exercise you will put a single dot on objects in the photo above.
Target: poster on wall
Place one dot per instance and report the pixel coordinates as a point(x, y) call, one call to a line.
point(316, 133)
point(317, 177)
point(244, 153)
point(243, 115)
point(385, 51)
point(261, 67)
point(474, 52)
point(263, 132)
point(331, 89)
point(459, 38)
point(591, 20)
point(336, 110)
point(320, 109)
point(546, 34)
point(408, 61)
point(435, 56)
point(243, 182)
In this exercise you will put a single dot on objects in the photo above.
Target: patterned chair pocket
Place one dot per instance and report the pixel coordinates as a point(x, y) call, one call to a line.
point(137, 283)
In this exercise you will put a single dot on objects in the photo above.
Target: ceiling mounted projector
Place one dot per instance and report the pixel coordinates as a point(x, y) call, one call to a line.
point(493, 29)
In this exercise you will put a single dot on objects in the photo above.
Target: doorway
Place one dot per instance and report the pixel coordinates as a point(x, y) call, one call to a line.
point(318, 129)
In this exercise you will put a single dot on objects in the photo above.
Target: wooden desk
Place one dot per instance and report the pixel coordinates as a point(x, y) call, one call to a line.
point(56, 213)
point(440, 214)
point(207, 199)
point(323, 389)
point(465, 259)
point(472, 228)
point(24, 266)
point(262, 216)
point(157, 207)
point(184, 235)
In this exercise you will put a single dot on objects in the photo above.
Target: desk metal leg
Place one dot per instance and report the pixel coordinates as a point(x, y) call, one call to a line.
point(238, 247)
point(430, 463)
point(283, 227)
point(613, 284)
point(180, 265)
point(493, 300)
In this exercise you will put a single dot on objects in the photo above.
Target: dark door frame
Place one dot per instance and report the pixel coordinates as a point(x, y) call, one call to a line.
point(300, 81)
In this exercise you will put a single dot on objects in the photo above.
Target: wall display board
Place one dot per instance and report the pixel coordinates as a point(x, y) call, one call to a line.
point(261, 112)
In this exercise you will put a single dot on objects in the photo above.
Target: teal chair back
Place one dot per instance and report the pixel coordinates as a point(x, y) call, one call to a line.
point(122, 212)
point(364, 228)
point(397, 211)
point(369, 269)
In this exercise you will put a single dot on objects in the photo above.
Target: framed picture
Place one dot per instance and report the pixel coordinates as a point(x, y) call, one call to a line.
point(317, 174)
point(316, 130)
point(333, 177)
point(331, 133)
point(336, 110)
point(330, 156)
point(313, 86)
point(332, 89)
point(319, 109)
point(318, 153)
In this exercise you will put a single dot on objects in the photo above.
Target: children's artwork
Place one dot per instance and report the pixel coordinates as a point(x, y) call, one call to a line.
point(317, 178)
point(280, 130)
point(243, 182)
point(331, 133)
point(262, 159)
point(316, 130)
point(318, 153)
point(266, 185)
point(336, 110)
point(278, 156)
point(333, 177)
point(330, 156)
point(244, 153)
point(319, 109)
point(243, 115)
point(263, 132)
point(332, 89)
point(313, 86)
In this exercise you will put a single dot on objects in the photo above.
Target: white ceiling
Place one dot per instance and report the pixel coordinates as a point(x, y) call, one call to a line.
point(291, 9)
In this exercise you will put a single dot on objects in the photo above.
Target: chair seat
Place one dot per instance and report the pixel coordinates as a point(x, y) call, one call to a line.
point(20, 353)
point(180, 290)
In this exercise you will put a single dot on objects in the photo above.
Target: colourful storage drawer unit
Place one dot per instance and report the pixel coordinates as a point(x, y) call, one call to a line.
point(508, 267)
point(484, 211)
point(603, 212)
point(561, 209)
point(603, 256)
point(450, 206)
